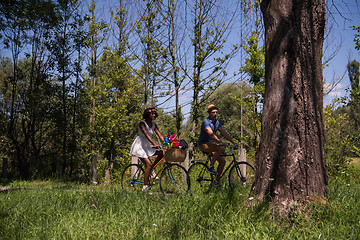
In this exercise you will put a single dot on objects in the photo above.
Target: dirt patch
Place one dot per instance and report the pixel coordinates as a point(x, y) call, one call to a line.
point(3, 189)
point(355, 162)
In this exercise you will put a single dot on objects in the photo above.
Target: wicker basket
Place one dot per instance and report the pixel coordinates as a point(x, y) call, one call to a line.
point(175, 155)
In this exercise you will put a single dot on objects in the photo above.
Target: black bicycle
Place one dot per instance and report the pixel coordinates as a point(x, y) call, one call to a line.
point(241, 175)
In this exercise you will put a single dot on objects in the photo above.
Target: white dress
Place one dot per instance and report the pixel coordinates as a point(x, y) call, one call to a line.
point(141, 146)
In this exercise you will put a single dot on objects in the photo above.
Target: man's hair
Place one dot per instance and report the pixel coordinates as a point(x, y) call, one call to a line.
point(147, 112)
point(211, 107)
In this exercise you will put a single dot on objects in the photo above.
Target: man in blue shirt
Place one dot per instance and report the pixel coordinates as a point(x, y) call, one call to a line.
point(210, 143)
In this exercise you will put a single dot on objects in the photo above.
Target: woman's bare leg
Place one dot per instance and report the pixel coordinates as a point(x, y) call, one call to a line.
point(148, 166)
point(159, 156)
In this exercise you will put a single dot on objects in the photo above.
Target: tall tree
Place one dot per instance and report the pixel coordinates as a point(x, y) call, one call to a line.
point(354, 103)
point(151, 52)
point(117, 109)
point(27, 24)
point(78, 116)
point(354, 74)
point(62, 48)
point(290, 165)
point(13, 35)
point(210, 29)
point(97, 35)
point(174, 35)
point(115, 81)
point(120, 16)
point(254, 67)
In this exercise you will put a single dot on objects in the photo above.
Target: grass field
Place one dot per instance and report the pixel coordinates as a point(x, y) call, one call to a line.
point(55, 210)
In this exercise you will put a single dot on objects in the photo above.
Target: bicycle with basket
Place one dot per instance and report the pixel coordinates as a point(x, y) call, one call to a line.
point(171, 176)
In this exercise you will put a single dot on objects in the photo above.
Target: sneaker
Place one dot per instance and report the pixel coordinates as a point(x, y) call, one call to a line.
point(153, 174)
point(211, 170)
point(145, 188)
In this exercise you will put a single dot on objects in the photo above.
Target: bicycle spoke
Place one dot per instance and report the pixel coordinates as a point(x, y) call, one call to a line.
point(174, 180)
point(242, 176)
point(132, 178)
point(200, 179)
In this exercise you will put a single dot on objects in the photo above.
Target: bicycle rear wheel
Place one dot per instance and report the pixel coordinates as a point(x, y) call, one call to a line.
point(200, 179)
point(241, 176)
point(132, 178)
point(174, 179)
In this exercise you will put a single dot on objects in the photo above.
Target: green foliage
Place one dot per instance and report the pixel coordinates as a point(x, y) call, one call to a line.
point(48, 102)
point(26, 88)
point(255, 63)
point(353, 68)
point(357, 37)
point(153, 52)
point(339, 133)
point(255, 68)
point(335, 144)
point(166, 123)
point(354, 105)
point(120, 19)
point(341, 120)
point(25, 135)
point(117, 97)
point(117, 110)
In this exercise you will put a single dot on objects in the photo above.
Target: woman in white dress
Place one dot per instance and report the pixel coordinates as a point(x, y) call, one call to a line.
point(144, 146)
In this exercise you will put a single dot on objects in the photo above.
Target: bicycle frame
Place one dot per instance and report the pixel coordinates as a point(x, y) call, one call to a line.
point(230, 165)
point(136, 173)
point(233, 161)
point(170, 175)
point(158, 172)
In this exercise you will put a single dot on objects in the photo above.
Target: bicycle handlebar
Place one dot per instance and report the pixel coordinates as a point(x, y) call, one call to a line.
point(233, 146)
point(160, 147)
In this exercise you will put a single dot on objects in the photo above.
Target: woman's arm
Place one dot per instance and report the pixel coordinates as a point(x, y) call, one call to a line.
point(143, 129)
point(157, 131)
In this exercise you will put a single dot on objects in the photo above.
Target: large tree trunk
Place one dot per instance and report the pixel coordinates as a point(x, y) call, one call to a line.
point(291, 160)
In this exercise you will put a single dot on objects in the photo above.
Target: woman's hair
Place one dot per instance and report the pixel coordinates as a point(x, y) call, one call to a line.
point(147, 112)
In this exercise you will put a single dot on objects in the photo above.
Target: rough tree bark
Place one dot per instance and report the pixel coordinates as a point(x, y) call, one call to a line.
point(291, 160)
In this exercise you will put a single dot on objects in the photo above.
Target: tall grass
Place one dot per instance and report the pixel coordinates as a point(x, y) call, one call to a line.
point(52, 210)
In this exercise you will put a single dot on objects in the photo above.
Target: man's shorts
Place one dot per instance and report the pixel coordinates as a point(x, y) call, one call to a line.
point(210, 147)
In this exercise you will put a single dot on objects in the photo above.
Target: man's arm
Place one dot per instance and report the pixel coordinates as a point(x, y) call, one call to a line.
point(213, 136)
point(226, 135)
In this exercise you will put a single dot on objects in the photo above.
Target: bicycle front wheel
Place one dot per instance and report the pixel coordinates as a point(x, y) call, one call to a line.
point(200, 179)
point(174, 179)
point(241, 176)
point(132, 178)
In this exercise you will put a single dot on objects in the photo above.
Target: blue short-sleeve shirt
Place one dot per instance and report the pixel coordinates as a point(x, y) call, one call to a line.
point(208, 123)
